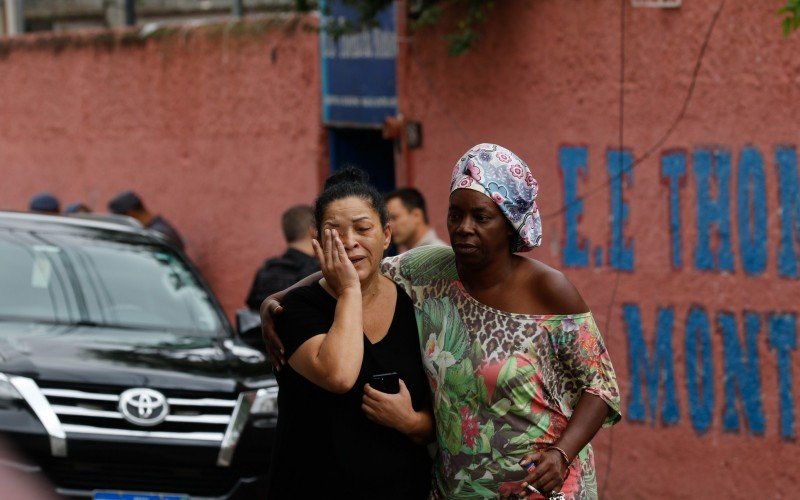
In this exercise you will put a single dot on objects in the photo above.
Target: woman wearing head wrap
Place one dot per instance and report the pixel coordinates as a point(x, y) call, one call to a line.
point(520, 375)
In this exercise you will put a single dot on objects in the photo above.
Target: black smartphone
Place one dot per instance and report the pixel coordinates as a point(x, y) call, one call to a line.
point(386, 382)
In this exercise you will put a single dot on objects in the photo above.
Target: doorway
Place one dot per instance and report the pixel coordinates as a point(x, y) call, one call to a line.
point(366, 149)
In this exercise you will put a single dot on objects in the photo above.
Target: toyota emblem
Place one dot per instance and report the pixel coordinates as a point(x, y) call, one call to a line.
point(144, 407)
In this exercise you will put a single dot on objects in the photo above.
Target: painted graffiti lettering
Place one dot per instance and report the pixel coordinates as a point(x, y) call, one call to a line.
point(789, 186)
point(652, 371)
point(711, 170)
point(619, 171)
point(751, 195)
point(730, 192)
point(699, 379)
point(673, 170)
point(713, 166)
point(653, 367)
point(742, 375)
point(783, 338)
point(573, 162)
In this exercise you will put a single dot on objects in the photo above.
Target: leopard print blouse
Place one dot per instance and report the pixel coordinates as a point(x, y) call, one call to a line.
point(503, 384)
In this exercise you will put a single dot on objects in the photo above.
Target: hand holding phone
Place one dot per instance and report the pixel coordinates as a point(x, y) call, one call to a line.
point(386, 382)
point(387, 401)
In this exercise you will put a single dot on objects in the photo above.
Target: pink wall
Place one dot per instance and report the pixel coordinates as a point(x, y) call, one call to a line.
point(218, 132)
point(546, 77)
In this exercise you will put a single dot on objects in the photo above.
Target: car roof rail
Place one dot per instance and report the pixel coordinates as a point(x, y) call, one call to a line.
point(122, 220)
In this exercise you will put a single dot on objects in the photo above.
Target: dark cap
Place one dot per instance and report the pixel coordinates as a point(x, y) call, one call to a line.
point(44, 202)
point(125, 201)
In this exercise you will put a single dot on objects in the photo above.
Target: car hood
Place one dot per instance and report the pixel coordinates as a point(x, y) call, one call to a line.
point(91, 355)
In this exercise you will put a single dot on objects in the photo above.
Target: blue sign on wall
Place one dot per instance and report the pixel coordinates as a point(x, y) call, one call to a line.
point(358, 70)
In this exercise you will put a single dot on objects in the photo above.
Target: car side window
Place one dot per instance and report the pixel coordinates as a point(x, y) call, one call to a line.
point(34, 284)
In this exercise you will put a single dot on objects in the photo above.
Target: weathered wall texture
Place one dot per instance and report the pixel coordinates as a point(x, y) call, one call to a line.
point(220, 134)
point(703, 326)
point(217, 128)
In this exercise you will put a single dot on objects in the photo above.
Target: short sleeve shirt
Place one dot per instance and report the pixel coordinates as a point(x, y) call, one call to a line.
point(504, 384)
point(327, 436)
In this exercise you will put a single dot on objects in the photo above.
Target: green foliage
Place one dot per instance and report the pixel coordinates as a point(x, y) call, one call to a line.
point(367, 15)
point(470, 14)
point(423, 13)
point(791, 16)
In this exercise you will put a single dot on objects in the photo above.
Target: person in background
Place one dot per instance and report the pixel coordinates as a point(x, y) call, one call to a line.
point(408, 219)
point(44, 203)
point(128, 203)
point(297, 261)
point(77, 207)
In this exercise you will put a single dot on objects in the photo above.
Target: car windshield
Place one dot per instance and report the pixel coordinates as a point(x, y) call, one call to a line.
point(78, 279)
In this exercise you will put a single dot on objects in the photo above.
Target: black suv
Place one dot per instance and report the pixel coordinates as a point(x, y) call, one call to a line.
point(120, 376)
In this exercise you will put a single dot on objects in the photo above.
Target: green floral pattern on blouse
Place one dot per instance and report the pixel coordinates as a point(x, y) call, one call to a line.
point(503, 384)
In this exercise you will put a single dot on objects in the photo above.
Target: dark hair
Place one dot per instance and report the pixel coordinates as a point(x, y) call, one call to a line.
point(124, 202)
point(44, 202)
point(410, 198)
point(296, 221)
point(344, 183)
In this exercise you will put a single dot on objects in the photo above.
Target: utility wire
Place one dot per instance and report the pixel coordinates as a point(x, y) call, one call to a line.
point(439, 104)
point(620, 143)
point(656, 145)
point(636, 162)
point(622, 171)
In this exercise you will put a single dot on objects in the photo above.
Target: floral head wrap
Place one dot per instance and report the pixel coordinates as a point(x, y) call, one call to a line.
point(502, 176)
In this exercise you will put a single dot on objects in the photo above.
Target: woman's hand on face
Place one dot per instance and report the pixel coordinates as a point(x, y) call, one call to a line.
point(339, 272)
point(391, 410)
point(548, 474)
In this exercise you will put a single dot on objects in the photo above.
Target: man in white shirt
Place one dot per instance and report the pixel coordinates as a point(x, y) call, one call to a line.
point(409, 220)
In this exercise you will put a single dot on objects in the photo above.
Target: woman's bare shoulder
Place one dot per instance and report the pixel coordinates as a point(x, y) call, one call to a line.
point(553, 289)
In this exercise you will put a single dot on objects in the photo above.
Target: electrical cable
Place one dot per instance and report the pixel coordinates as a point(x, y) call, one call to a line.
point(439, 104)
point(622, 171)
point(636, 162)
point(617, 272)
point(679, 117)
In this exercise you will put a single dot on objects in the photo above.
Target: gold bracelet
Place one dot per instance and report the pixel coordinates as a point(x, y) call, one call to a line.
point(562, 453)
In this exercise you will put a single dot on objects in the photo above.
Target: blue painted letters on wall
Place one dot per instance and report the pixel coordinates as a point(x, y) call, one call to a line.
point(619, 168)
point(789, 187)
point(651, 364)
point(783, 338)
point(673, 168)
point(742, 375)
point(708, 165)
point(573, 161)
point(657, 367)
point(751, 202)
point(698, 349)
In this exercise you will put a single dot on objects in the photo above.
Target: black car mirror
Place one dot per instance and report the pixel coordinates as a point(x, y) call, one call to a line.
point(248, 326)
